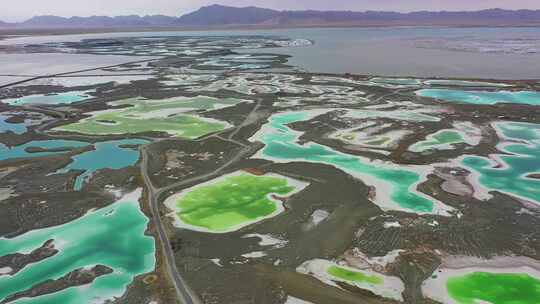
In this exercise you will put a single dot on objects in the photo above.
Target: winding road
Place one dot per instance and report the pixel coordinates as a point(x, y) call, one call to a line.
point(183, 291)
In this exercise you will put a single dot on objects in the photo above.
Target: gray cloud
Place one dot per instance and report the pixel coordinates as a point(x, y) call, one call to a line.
point(21, 9)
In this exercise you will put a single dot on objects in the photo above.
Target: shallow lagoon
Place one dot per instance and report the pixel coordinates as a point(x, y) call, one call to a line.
point(109, 154)
point(482, 97)
point(113, 236)
point(396, 81)
point(395, 185)
point(49, 99)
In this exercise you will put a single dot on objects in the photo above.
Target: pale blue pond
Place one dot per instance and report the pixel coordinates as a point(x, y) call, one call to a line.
point(482, 97)
point(49, 99)
point(20, 151)
point(109, 154)
point(17, 128)
point(396, 81)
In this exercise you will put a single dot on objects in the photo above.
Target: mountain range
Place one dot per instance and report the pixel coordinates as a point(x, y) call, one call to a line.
point(227, 16)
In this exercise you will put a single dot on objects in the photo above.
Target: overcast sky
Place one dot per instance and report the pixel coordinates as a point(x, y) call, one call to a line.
point(17, 10)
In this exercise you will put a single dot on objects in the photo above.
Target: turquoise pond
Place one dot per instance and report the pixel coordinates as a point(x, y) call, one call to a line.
point(396, 185)
point(520, 157)
point(17, 128)
point(113, 236)
point(482, 97)
point(49, 99)
point(109, 154)
point(20, 151)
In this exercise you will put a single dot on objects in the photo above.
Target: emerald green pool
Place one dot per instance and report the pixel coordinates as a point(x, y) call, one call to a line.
point(482, 97)
point(113, 236)
point(231, 202)
point(354, 276)
point(494, 288)
point(441, 140)
point(142, 115)
point(396, 185)
point(520, 156)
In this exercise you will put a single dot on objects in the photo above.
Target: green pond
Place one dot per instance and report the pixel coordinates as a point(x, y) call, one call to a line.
point(482, 97)
point(519, 158)
point(231, 202)
point(494, 288)
point(169, 116)
point(50, 99)
point(396, 184)
point(441, 140)
point(113, 236)
point(354, 276)
point(110, 154)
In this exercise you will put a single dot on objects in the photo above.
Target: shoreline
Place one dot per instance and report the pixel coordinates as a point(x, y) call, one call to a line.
point(104, 30)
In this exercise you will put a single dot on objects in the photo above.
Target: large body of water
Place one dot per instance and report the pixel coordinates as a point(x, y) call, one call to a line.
point(390, 51)
point(396, 52)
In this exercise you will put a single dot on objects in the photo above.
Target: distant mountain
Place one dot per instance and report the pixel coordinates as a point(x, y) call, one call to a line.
point(227, 15)
point(224, 16)
point(98, 21)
